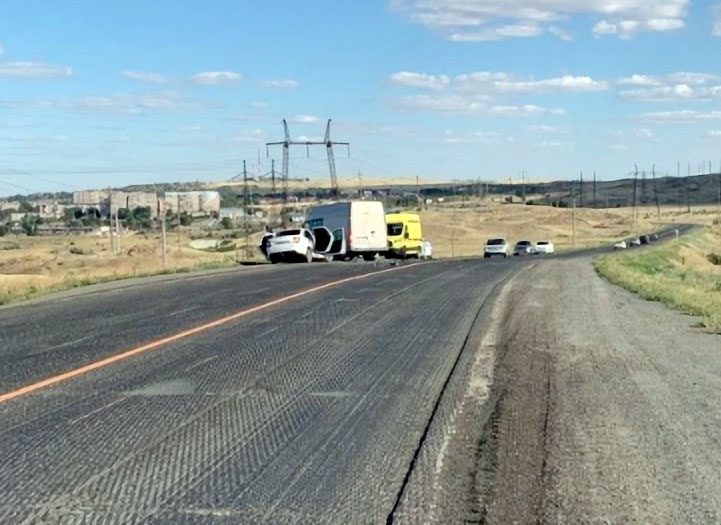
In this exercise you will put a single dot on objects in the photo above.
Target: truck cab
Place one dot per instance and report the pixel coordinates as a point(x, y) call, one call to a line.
point(405, 238)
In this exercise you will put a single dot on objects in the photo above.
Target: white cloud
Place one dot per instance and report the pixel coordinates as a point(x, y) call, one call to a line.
point(715, 133)
point(492, 34)
point(254, 135)
point(549, 144)
point(526, 110)
point(304, 119)
point(545, 129)
point(281, 83)
point(130, 103)
point(561, 33)
point(564, 83)
point(2, 50)
point(694, 79)
point(477, 20)
point(258, 105)
point(36, 70)
point(307, 138)
point(639, 80)
point(145, 76)
point(215, 77)
point(482, 137)
point(716, 12)
point(419, 80)
point(681, 116)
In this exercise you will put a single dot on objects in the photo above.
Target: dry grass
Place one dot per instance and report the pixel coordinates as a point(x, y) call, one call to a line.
point(684, 273)
point(460, 229)
point(30, 266)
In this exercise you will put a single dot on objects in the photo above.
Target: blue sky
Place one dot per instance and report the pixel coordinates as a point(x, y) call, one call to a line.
point(97, 94)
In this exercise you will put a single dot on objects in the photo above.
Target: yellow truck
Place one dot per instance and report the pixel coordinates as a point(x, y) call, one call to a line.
point(405, 238)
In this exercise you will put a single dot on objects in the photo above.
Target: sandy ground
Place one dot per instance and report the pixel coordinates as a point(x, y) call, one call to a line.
point(604, 408)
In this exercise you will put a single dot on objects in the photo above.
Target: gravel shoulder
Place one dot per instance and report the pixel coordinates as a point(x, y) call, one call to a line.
point(603, 408)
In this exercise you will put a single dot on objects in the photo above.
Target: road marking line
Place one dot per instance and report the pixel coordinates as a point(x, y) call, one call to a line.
point(196, 365)
point(268, 332)
point(98, 410)
point(183, 311)
point(59, 378)
point(62, 345)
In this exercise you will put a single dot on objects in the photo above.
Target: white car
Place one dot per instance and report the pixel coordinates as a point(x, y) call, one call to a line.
point(620, 245)
point(426, 250)
point(544, 247)
point(290, 245)
point(496, 247)
point(636, 241)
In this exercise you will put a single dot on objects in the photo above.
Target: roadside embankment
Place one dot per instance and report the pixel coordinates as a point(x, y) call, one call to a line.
point(684, 273)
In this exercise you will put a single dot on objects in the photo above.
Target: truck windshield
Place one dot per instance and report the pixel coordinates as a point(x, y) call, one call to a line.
point(395, 228)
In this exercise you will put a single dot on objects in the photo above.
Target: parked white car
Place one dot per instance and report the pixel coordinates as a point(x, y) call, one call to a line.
point(496, 247)
point(620, 245)
point(426, 250)
point(524, 248)
point(544, 247)
point(290, 245)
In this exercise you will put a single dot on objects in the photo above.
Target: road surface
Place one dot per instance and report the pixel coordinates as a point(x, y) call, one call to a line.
point(312, 409)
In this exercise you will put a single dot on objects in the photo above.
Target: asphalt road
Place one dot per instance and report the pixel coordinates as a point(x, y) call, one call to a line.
point(311, 410)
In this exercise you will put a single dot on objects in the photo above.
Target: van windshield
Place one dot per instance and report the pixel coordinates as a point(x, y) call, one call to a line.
point(395, 228)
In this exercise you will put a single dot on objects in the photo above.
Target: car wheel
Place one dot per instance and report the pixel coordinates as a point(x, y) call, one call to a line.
point(371, 256)
point(273, 259)
point(309, 255)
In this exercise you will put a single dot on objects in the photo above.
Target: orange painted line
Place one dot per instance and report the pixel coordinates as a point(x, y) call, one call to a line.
point(54, 380)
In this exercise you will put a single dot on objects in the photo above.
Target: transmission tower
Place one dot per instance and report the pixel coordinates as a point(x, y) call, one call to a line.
point(327, 142)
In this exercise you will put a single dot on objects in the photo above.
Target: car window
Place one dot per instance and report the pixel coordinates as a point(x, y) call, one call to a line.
point(495, 242)
point(286, 233)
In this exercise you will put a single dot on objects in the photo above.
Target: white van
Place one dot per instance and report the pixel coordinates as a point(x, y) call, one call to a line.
point(349, 229)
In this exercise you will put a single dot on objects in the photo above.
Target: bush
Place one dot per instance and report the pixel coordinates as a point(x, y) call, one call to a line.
point(3, 230)
point(226, 223)
point(714, 258)
point(75, 250)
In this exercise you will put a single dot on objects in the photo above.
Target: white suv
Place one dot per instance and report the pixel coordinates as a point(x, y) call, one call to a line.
point(496, 247)
point(290, 245)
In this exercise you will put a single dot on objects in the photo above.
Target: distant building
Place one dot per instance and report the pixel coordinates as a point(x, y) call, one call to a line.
point(231, 213)
point(193, 202)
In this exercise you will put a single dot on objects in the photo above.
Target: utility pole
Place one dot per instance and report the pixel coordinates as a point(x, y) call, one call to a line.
point(272, 173)
point(360, 185)
point(161, 207)
point(246, 204)
point(523, 186)
point(327, 142)
point(678, 183)
point(594, 188)
point(688, 193)
point(655, 191)
point(118, 232)
point(581, 190)
point(573, 219)
point(633, 205)
point(177, 195)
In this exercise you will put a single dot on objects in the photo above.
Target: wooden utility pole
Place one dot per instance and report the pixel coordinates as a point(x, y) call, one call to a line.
point(118, 231)
point(177, 195)
point(161, 208)
point(594, 188)
point(655, 191)
point(573, 219)
point(246, 203)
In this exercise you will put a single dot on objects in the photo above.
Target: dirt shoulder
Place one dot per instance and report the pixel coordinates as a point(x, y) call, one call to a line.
point(605, 408)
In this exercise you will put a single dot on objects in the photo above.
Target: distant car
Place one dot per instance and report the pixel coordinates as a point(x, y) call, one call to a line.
point(653, 237)
point(290, 245)
point(635, 242)
point(523, 248)
point(620, 245)
point(426, 250)
point(644, 239)
point(496, 247)
point(545, 247)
